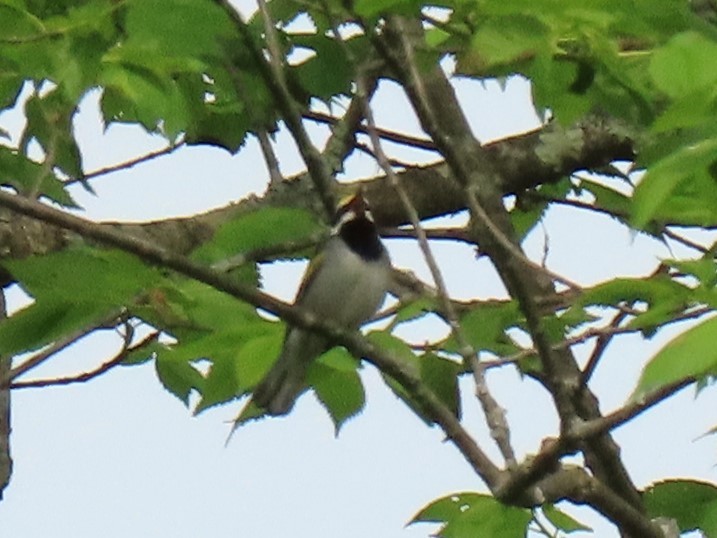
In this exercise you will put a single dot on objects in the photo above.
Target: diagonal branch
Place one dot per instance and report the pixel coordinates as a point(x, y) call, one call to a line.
point(403, 372)
point(434, 101)
point(275, 80)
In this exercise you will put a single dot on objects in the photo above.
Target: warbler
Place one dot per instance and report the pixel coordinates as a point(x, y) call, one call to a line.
point(344, 284)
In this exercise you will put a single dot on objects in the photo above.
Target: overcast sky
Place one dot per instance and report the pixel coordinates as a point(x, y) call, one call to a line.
point(120, 457)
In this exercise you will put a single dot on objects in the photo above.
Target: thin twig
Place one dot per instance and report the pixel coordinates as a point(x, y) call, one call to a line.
point(59, 345)
point(494, 413)
point(601, 344)
point(385, 134)
point(118, 359)
point(127, 164)
point(595, 333)
point(619, 417)
point(450, 234)
point(664, 228)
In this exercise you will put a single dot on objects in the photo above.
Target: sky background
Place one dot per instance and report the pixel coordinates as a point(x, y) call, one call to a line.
point(119, 456)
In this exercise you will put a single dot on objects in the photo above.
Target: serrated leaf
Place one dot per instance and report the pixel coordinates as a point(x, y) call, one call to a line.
point(258, 230)
point(401, 350)
point(95, 276)
point(44, 322)
point(29, 176)
point(664, 296)
point(339, 389)
point(329, 72)
point(257, 355)
point(220, 384)
point(691, 503)
point(467, 515)
point(50, 122)
point(414, 310)
point(178, 376)
point(565, 522)
point(441, 376)
point(485, 328)
point(691, 354)
point(679, 187)
point(704, 269)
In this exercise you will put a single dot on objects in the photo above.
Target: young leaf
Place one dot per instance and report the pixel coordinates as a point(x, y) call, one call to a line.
point(691, 354)
point(256, 356)
point(178, 376)
point(685, 64)
point(691, 503)
point(682, 178)
point(105, 277)
point(339, 389)
point(42, 323)
point(467, 515)
point(259, 230)
point(441, 375)
point(485, 327)
point(220, 385)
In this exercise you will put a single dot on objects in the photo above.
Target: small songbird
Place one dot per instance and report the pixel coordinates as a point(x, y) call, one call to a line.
point(344, 284)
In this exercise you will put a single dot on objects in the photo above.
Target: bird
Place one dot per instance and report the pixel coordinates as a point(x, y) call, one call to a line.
point(345, 284)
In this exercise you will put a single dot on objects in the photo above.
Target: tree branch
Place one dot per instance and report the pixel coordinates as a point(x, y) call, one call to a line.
point(275, 80)
point(403, 372)
point(5, 365)
point(101, 369)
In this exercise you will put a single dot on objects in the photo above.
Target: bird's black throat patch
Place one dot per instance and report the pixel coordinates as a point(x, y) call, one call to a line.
point(361, 236)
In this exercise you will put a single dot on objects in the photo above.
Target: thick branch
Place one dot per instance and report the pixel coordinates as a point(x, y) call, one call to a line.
point(435, 104)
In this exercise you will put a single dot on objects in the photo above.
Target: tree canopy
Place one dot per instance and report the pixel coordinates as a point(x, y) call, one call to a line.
point(627, 94)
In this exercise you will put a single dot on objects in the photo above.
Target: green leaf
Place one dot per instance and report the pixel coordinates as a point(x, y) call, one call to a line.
point(87, 275)
point(178, 376)
point(178, 27)
point(691, 354)
point(680, 187)
point(329, 72)
point(441, 376)
point(485, 327)
point(259, 231)
point(664, 297)
point(413, 310)
point(50, 122)
point(373, 8)
point(258, 354)
point(46, 321)
point(145, 353)
point(29, 176)
point(338, 388)
point(685, 64)
point(704, 269)
point(468, 515)
point(220, 385)
point(504, 39)
point(563, 521)
point(693, 504)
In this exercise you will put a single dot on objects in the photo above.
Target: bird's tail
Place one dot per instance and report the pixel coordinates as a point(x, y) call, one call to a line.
point(286, 379)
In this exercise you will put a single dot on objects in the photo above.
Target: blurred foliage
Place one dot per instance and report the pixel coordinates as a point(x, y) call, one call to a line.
point(185, 70)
